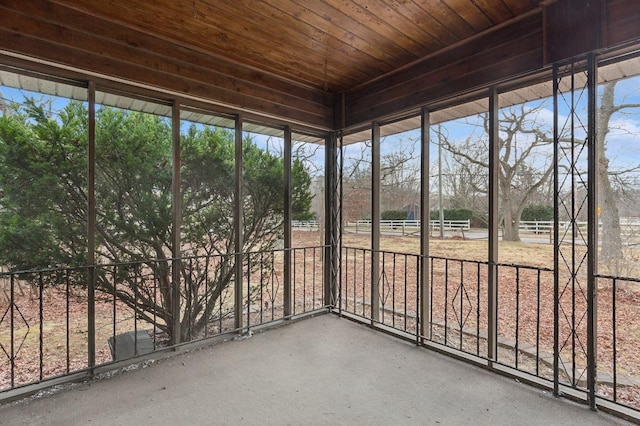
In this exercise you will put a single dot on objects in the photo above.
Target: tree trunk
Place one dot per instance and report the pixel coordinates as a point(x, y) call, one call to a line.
point(611, 247)
point(511, 226)
point(511, 221)
point(609, 216)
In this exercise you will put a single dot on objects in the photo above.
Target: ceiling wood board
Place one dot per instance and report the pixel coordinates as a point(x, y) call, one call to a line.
point(470, 13)
point(518, 7)
point(176, 83)
point(186, 72)
point(64, 19)
point(477, 52)
point(358, 39)
point(293, 59)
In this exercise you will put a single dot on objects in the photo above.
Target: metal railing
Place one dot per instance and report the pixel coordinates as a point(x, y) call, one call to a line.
point(46, 330)
point(618, 365)
point(398, 285)
point(457, 317)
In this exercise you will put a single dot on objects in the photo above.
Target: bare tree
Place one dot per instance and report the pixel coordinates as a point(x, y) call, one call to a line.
point(524, 161)
point(356, 182)
point(4, 108)
point(400, 174)
point(399, 177)
point(607, 200)
point(464, 182)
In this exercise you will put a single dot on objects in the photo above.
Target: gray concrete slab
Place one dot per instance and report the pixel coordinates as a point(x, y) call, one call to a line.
point(323, 370)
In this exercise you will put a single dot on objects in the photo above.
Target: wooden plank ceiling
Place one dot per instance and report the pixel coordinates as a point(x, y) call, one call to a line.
point(332, 45)
point(319, 64)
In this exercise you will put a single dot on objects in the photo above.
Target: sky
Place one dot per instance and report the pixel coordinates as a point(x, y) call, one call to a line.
point(623, 141)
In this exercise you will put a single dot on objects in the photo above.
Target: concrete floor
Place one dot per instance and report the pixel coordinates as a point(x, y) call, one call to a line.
point(323, 370)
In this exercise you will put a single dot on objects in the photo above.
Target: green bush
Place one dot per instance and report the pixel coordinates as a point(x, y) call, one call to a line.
point(452, 214)
point(394, 215)
point(537, 212)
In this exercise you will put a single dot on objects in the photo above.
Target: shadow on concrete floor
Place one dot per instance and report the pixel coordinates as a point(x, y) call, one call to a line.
point(323, 370)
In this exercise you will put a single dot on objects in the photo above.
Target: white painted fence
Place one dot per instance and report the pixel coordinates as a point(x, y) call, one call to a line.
point(450, 225)
point(311, 224)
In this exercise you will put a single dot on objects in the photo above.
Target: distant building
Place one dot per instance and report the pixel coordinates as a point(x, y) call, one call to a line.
point(413, 211)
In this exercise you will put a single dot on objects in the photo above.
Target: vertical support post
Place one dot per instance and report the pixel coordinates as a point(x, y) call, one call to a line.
point(556, 234)
point(375, 222)
point(592, 236)
point(91, 226)
point(176, 195)
point(287, 221)
point(440, 197)
point(425, 288)
point(328, 212)
point(331, 248)
point(492, 296)
point(338, 221)
point(238, 225)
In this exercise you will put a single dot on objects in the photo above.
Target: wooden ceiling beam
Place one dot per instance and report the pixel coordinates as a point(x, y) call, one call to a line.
point(622, 22)
point(178, 23)
point(169, 82)
point(516, 48)
point(51, 12)
point(152, 62)
point(511, 50)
